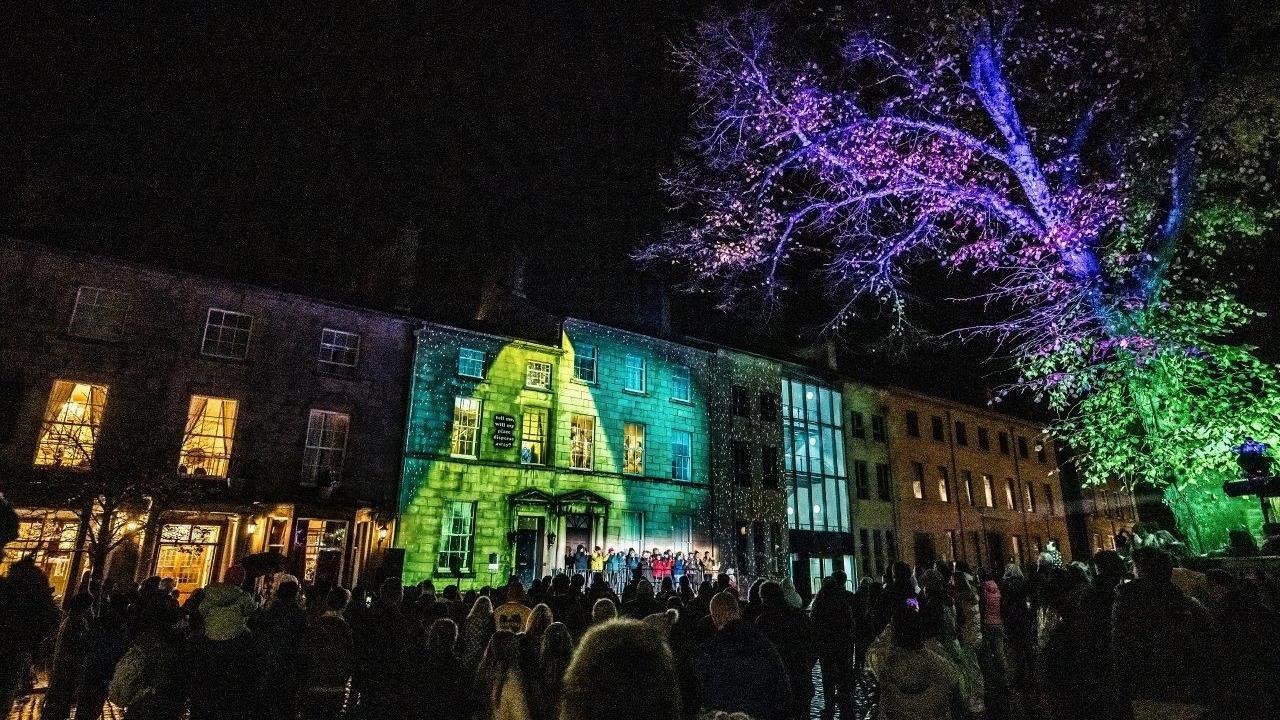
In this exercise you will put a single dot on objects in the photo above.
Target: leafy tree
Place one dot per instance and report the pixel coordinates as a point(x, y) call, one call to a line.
point(1090, 164)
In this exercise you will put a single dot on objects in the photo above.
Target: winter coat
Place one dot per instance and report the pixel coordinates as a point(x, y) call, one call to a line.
point(915, 684)
point(581, 562)
point(632, 562)
point(677, 566)
point(161, 665)
point(1162, 643)
point(224, 679)
point(991, 604)
point(614, 563)
point(330, 653)
point(791, 632)
point(741, 671)
point(476, 632)
point(834, 623)
point(225, 610)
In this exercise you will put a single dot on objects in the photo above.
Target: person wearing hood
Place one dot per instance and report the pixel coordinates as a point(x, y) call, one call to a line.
point(226, 658)
point(740, 671)
point(915, 683)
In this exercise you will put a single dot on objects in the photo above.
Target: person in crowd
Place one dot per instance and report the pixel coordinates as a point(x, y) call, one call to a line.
point(476, 631)
point(915, 683)
point(530, 639)
point(597, 561)
point(499, 690)
point(553, 661)
point(677, 567)
point(28, 614)
point(108, 642)
point(710, 568)
point(865, 600)
point(1162, 649)
point(440, 684)
point(279, 629)
point(1249, 634)
point(643, 604)
point(693, 568)
point(834, 625)
point(603, 611)
point(383, 638)
point(581, 560)
point(646, 566)
point(621, 669)
point(1018, 619)
point(226, 659)
point(685, 590)
point(514, 613)
point(613, 569)
point(151, 679)
point(740, 670)
point(791, 632)
point(631, 563)
point(71, 648)
point(329, 651)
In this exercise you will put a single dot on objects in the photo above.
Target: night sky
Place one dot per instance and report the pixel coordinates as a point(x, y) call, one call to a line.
point(291, 149)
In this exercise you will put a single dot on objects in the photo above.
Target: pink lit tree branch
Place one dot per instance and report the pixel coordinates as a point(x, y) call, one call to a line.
point(1080, 161)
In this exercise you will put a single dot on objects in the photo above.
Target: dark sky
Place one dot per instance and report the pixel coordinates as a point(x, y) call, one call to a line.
point(291, 147)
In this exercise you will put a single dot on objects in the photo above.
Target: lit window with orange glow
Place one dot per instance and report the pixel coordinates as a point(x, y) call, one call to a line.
point(72, 418)
point(206, 443)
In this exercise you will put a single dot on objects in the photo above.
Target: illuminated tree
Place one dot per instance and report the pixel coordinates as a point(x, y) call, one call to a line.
point(1091, 165)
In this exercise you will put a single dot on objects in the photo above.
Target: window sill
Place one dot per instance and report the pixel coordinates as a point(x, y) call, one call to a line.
point(536, 388)
point(581, 470)
point(470, 377)
point(680, 401)
point(580, 381)
point(462, 457)
point(638, 393)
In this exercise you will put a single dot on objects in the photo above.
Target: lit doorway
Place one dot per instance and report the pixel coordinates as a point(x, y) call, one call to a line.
point(186, 555)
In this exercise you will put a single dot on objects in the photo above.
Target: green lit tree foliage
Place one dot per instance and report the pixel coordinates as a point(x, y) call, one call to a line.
point(1099, 168)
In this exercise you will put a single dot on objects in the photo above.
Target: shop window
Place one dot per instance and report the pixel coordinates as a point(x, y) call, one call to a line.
point(465, 438)
point(633, 448)
point(326, 447)
point(209, 435)
point(582, 442)
point(99, 314)
point(456, 536)
point(226, 334)
point(339, 352)
point(72, 418)
point(324, 545)
point(533, 436)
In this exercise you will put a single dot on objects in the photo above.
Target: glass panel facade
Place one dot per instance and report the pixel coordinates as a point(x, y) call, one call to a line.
point(818, 488)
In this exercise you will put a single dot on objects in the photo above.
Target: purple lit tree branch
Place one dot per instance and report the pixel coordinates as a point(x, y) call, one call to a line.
point(1057, 151)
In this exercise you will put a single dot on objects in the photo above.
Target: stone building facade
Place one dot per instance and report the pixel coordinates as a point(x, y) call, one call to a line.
point(1108, 510)
point(517, 452)
point(972, 484)
point(244, 419)
point(870, 470)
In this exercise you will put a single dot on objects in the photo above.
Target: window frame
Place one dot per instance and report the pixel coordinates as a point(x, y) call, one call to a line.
point(443, 551)
point(682, 464)
point(311, 470)
point(96, 309)
point(628, 453)
point(937, 428)
point(535, 368)
point(917, 480)
point(228, 436)
point(740, 401)
point(879, 428)
point(884, 482)
point(57, 427)
point(912, 421)
point(579, 446)
point(629, 373)
point(984, 439)
point(857, 424)
point(469, 360)
point(526, 438)
point(580, 355)
point(681, 378)
point(962, 433)
point(861, 480)
point(331, 366)
point(205, 340)
point(455, 448)
point(944, 484)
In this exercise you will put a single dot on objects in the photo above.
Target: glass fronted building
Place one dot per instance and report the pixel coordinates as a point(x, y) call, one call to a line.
point(818, 508)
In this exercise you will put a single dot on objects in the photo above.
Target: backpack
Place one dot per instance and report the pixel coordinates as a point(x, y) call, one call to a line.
point(129, 681)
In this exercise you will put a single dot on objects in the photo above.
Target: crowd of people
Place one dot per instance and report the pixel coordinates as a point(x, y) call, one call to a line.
point(655, 565)
point(1113, 638)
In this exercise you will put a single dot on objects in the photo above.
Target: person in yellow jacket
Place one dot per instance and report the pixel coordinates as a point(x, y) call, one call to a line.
point(597, 560)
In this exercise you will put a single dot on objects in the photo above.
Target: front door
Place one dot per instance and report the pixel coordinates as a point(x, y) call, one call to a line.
point(528, 548)
point(577, 531)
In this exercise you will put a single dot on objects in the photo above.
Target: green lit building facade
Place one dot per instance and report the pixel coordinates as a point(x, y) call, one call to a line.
point(518, 452)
